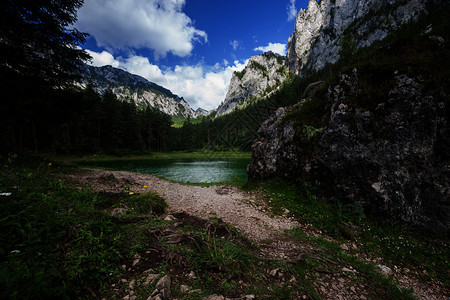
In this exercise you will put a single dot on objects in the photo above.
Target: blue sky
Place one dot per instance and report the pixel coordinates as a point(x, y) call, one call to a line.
point(191, 47)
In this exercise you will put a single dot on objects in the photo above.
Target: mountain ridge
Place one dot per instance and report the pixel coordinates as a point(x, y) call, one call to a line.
point(138, 90)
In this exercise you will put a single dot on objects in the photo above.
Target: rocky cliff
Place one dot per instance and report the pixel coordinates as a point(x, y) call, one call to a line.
point(377, 135)
point(263, 74)
point(328, 28)
point(136, 89)
point(393, 160)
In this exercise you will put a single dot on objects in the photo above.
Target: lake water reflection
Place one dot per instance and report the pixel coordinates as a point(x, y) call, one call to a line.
point(183, 170)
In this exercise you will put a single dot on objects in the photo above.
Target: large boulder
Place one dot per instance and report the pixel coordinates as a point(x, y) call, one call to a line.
point(392, 158)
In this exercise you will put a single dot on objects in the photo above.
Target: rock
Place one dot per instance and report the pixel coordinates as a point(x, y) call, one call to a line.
point(150, 279)
point(164, 283)
point(192, 275)
point(214, 297)
point(321, 28)
point(169, 218)
point(276, 273)
point(344, 269)
point(184, 289)
point(132, 284)
point(385, 271)
point(119, 211)
point(136, 261)
point(389, 160)
point(162, 289)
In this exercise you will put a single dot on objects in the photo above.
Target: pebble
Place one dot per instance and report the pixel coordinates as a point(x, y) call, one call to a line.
point(136, 261)
point(132, 284)
point(184, 289)
point(150, 279)
point(385, 271)
point(169, 218)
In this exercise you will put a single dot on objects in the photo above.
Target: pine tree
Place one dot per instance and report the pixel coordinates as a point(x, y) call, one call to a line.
point(38, 58)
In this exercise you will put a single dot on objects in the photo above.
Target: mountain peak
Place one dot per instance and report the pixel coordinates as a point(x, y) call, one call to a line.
point(327, 28)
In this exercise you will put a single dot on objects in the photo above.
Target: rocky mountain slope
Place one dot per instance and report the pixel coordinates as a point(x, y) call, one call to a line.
point(136, 89)
point(377, 135)
point(327, 29)
point(262, 74)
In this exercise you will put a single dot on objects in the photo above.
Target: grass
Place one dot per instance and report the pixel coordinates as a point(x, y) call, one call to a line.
point(57, 241)
point(427, 257)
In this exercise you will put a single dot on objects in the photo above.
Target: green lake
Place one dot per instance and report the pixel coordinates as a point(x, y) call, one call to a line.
point(182, 170)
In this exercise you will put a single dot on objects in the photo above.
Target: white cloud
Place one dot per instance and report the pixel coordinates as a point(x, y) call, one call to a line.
point(291, 10)
point(101, 59)
point(274, 47)
point(160, 25)
point(202, 86)
point(234, 44)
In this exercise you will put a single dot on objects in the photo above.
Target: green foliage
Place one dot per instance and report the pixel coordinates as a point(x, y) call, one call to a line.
point(378, 238)
point(222, 255)
point(240, 74)
point(56, 241)
point(147, 203)
point(408, 249)
point(257, 66)
point(386, 287)
point(39, 56)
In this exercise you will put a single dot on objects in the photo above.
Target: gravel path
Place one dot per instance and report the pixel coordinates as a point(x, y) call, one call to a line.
point(247, 212)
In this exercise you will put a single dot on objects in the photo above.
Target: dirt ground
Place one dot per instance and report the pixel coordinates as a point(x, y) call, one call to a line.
point(248, 213)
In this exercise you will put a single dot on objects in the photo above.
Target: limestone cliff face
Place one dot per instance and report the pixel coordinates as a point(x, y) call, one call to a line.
point(262, 74)
point(327, 28)
point(134, 88)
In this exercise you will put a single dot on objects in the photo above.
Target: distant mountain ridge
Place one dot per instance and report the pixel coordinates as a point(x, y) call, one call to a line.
point(136, 89)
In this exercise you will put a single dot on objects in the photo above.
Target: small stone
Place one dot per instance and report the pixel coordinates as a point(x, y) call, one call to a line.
point(164, 283)
point(169, 218)
point(344, 269)
point(214, 297)
point(136, 261)
point(165, 294)
point(132, 284)
point(352, 288)
point(124, 267)
point(127, 297)
point(192, 275)
point(304, 297)
point(133, 297)
point(184, 288)
point(150, 279)
point(123, 280)
point(276, 273)
point(249, 297)
point(385, 271)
